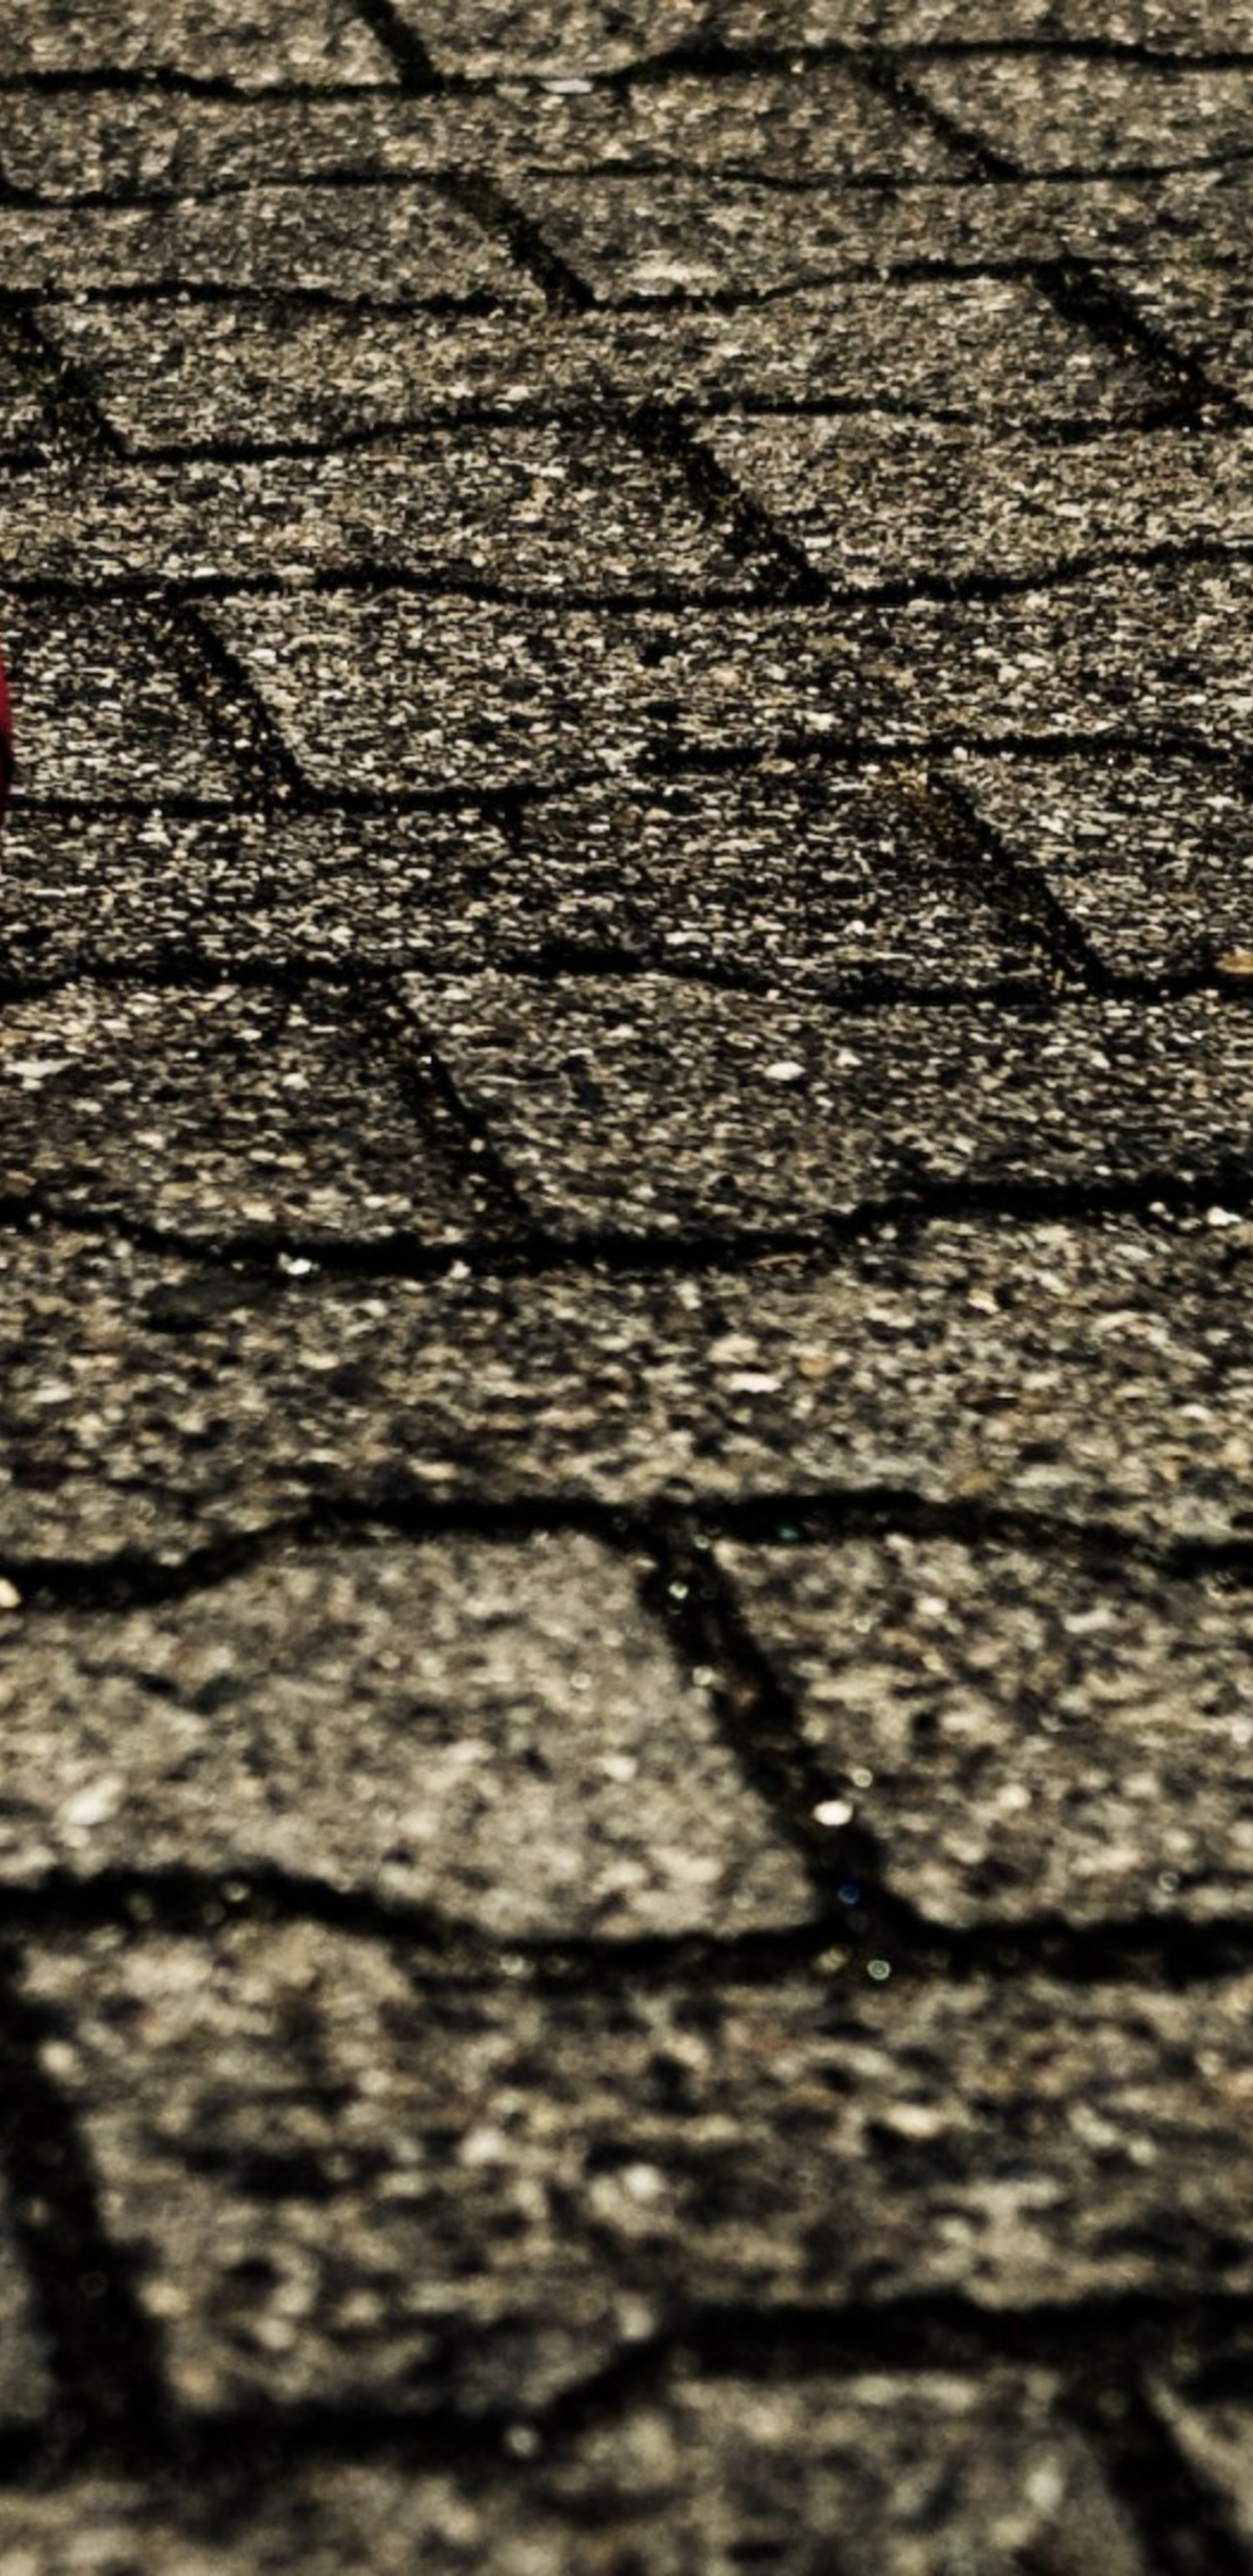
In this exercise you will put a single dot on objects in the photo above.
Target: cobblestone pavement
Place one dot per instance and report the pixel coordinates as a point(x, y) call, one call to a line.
point(626, 1536)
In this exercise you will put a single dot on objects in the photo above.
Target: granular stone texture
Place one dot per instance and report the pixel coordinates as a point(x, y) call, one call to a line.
point(531, 509)
point(402, 245)
point(674, 236)
point(806, 877)
point(215, 1113)
point(650, 1102)
point(319, 41)
point(874, 501)
point(493, 1731)
point(1096, 1372)
point(336, 2184)
point(177, 375)
point(626, 1408)
point(1055, 111)
point(710, 2471)
point(819, 122)
point(105, 715)
point(1153, 858)
point(1020, 1735)
point(219, 891)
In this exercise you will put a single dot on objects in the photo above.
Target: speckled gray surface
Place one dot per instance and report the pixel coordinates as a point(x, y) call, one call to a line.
point(626, 1538)
point(1095, 1372)
point(1021, 1735)
point(496, 1732)
point(391, 2233)
point(181, 374)
point(651, 1103)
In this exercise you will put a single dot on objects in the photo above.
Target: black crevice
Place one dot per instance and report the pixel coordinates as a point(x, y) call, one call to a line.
point(487, 204)
point(109, 2393)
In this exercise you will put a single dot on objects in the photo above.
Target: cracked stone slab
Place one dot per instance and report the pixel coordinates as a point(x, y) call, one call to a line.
point(819, 122)
point(534, 508)
point(1055, 111)
point(1019, 1735)
point(338, 2185)
point(810, 877)
point(668, 236)
point(102, 711)
point(179, 375)
point(220, 1114)
point(1096, 1372)
point(494, 1731)
point(389, 245)
point(221, 891)
point(875, 501)
point(711, 2470)
point(1153, 858)
point(646, 1103)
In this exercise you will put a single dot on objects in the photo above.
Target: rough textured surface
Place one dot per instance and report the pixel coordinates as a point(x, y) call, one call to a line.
point(1154, 859)
point(1096, 1371)
point(1020, 1735)
point(626, 1539)
point(496, 1732)
point(179, 375)
point(886, 501)
point(711, 2471)
point(794, 873)
point(655, 1104)
point(218, 1114)
point(339, 2185)
point(220, 890)
point(533, 509)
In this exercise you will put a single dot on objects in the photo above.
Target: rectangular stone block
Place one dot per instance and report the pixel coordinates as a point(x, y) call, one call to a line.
point(1153, 858)
point(339, 2184)
point(399, 245)
point(650, 1104)
point(217, 891)
point(495, 1732)
point(531, 509)
point(673, 236)
point(808, 877)
point(1092, 1372)
point(711, 2470)
point(221, 1114)
point(191, 374)
point(276, 42)
point(881, 501)
point(1018, 1735)
point(104, 715)
point(493, 39)
point(385, 690)
point(1055, 111)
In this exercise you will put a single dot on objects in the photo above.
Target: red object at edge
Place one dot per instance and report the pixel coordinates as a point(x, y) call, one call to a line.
point(6, 742)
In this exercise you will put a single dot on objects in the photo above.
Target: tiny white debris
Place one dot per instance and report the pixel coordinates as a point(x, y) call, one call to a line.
point(786, 1070)
point(833, 1811)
